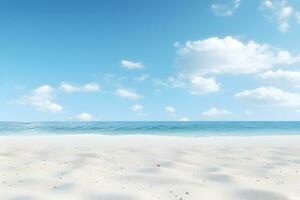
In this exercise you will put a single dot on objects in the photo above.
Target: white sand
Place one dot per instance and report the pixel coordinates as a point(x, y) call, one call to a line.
point(149, 167)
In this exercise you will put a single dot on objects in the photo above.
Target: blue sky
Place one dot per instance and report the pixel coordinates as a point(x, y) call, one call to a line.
point(150, 60)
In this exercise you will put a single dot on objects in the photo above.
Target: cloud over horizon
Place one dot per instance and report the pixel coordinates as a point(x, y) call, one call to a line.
point(170, 109)
point(42, 98)
point(270, 96)
point(84, 117)
point(215, 112)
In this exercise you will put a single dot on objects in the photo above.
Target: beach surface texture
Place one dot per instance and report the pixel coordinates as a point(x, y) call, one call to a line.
point(98, 167)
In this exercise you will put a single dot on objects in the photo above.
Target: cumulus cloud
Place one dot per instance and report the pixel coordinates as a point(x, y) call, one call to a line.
point(200, 61)
point(201, 85)
point(281, 76)
point(214, 112)
point(228, 55)
point(84, 117)
point(42, 98)
point(170, 109)
point(225, 9)
point(281, 11)
point(128, 94)
point(89, 87)
point(136, 107)
point(195, 84)
point(269, 96)
point(131, 65)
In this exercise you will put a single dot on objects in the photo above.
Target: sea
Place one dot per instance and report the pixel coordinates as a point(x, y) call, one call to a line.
point(176, 128)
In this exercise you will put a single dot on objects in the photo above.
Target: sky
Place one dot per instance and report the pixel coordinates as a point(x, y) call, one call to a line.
point(133, 60)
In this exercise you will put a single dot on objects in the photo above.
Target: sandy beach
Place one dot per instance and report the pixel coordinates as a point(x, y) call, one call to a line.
point(149, 167)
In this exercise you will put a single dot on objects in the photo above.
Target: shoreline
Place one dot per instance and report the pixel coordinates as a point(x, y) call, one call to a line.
point(290, 139)
point(149, 135)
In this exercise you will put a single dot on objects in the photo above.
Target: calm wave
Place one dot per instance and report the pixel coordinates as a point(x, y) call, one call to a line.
point(152, 128)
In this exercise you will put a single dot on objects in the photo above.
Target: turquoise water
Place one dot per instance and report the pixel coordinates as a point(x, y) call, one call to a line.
point(234, 128)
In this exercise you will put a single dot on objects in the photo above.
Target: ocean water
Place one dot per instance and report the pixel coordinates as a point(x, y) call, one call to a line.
point(212, 128)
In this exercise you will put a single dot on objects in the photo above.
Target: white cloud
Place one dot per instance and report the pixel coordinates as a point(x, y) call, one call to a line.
point(199, 61)
point(184, 119)
point(136, 107)
point(128, 94)
point(195, 84)
point(131, 65)
point(267, 4)
point(201, 85)
point(84, 117)
point(170, 109)
point(270, 96)
point(42, 98)
point(89, 87)
point(281, 76)
point(281, 11)
point(214, 112)
point(142, 77)
point(228, 55)
point(225, 9)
